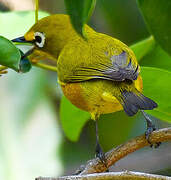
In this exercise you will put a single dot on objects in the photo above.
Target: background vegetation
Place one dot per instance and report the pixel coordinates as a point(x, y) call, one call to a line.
point(32, 142)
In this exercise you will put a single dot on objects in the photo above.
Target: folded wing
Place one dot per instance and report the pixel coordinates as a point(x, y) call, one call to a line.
point(117, 68)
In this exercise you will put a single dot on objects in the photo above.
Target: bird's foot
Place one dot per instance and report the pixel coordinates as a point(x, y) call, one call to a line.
point(150, 129)
point(79, 170)
point(101, 155)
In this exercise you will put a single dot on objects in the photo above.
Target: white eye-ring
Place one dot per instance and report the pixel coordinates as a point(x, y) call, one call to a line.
point(39, 39)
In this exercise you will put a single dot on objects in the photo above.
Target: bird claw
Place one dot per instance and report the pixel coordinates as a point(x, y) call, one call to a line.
point(148, 132)
point(79, 170)
point(101, 155)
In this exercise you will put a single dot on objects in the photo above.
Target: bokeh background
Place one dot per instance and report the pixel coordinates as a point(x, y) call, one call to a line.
point(32, 142)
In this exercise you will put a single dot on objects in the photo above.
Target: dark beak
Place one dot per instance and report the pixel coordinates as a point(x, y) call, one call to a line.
point(20, 39)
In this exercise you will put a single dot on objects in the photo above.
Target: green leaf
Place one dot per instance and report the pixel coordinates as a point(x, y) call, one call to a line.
point(80, 12)
point(143, 47)
point(9, 54)
point(114, 18)
point(114, 129)
point(157, 58)
point(150, 54)
point(157, 86)
point(158, 19)
point(72, 119)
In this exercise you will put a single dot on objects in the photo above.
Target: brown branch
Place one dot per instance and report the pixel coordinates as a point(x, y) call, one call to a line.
point(112, 156)
point(94, 168)
point(125, 175)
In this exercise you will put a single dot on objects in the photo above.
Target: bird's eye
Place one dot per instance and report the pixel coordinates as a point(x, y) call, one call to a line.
point(39, 39)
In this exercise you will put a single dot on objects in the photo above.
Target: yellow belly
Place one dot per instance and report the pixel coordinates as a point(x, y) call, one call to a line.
point(96, 96)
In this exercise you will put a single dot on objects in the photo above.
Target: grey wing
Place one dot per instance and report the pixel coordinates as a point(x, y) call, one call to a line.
point(117, 69)
point(120, 69)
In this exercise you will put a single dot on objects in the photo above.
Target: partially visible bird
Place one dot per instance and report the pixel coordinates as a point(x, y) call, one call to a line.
point(99, 75)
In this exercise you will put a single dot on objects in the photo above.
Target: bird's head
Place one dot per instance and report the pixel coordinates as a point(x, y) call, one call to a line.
point(49, 35)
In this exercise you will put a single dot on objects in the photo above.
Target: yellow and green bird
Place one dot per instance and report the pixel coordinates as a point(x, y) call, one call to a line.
point(99, 75)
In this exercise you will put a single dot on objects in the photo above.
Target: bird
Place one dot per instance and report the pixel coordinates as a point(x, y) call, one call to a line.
point(99, 74)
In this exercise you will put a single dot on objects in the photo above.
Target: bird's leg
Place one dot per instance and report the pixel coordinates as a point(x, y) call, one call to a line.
point(149, 130)
point(99, 152)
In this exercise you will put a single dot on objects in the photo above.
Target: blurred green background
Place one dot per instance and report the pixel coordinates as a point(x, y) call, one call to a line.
point(32, 142)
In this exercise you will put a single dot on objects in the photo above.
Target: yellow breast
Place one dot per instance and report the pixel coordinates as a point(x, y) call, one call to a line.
point(94, 97)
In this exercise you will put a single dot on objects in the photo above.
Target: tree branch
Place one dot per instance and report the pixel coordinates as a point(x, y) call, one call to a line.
point(112, 156)
point(125, 175)
point(94, 168)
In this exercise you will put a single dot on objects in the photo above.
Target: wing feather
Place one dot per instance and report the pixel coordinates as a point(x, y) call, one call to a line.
point(118, 68)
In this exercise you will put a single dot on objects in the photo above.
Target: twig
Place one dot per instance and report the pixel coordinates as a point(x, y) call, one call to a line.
point(45, 66)
point(36, 10)
point(125, 175)
point(96, 166)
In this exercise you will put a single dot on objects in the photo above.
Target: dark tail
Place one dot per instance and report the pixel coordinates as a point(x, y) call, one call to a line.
point(134, 101)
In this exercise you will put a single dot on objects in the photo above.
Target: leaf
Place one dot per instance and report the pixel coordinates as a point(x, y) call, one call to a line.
point(150, 54)
point(157, 58)
point(158, 19)
point(114, 129)
point(9, 54)
point(114, 18)
point(143, 47)
point(157, 86)
point(80, 12)
point(72, 119)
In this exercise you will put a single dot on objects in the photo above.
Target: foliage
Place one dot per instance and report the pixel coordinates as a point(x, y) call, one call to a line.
point(143, 47)
point(73, 129)
point(80, 12)
point(10, 55)
point(157, 17)
point(154, 78)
